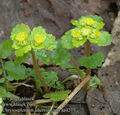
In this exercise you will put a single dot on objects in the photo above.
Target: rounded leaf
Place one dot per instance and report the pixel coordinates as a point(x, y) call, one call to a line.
point(104, 39)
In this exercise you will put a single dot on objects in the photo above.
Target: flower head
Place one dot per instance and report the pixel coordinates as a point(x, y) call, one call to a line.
point(89, 21)
point(76, 33)
point(40, 39)
point(20, 35)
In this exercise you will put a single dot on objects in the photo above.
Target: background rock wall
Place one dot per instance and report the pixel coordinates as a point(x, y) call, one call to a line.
point(54, 15)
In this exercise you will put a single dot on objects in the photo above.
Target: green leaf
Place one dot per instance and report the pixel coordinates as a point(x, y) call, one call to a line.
point(51, 79)
point(67, 40)
point(15, 72)
point(93, 61)
point(4, 93)
point(44, 56)
point(6, 49)
point(104, 39)
point(22, 51)
point(94, 82)
point(58, 54)
point(2, 80)
point(1, 71)
point(22, 59)
point(58, 95)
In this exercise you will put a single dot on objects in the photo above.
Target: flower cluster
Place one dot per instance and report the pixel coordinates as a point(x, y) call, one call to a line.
point(24, 39)
point(87, 28)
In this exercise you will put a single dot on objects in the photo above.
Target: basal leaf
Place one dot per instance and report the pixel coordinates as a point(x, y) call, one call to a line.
point(6, 49)
point(51, 79)
point(58, 95)
point(93, 61)
point(15, 71)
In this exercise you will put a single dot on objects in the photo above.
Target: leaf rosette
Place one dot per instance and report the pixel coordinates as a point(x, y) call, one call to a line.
point(24, 39)
point(20, 36)
point(41, 40)
point(87, 28)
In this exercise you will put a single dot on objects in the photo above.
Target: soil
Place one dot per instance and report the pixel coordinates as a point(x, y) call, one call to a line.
point(55, 16)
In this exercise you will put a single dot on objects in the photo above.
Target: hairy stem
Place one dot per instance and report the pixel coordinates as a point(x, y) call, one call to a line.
point(37, 70)
point(35, 65)
point(87, 53)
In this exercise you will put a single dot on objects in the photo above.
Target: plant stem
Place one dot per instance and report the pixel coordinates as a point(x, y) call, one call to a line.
point(37, 71)
point(87, 53)
point(36, 68)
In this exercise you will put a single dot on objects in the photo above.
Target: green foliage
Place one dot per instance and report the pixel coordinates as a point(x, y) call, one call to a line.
point(4, 93)
point(86, 28)
point(104, 39)
point(23, 59)
point(44, 56)
point(93, 61)
point(24, 39)
point(20, 35)
point(61, 56)
point(14, 71)
point(49, 51)
point(6, 49)
point(1, 71)
point(58, 95)
point(2, 80)
point(94, 82)
point(51, 79)
point(55, 57)
point(41, 40)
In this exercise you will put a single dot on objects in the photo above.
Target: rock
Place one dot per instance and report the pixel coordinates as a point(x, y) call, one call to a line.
point(114, 54)
point(107, 100)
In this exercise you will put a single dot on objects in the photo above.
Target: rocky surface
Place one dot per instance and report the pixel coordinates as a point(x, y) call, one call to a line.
point(107, 100)
point(114, 54)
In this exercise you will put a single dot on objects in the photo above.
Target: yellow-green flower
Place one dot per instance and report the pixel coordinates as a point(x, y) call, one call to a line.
point(39, 39)
point(75, 33)
point(97, 33)
point(86, 32)
point(20, 35)
point(89, 21)
point(78, 43)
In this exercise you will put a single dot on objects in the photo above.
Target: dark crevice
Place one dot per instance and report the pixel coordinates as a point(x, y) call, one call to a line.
point(113, 7)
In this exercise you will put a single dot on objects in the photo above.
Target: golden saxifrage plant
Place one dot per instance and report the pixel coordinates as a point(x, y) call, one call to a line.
point(44, 50)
